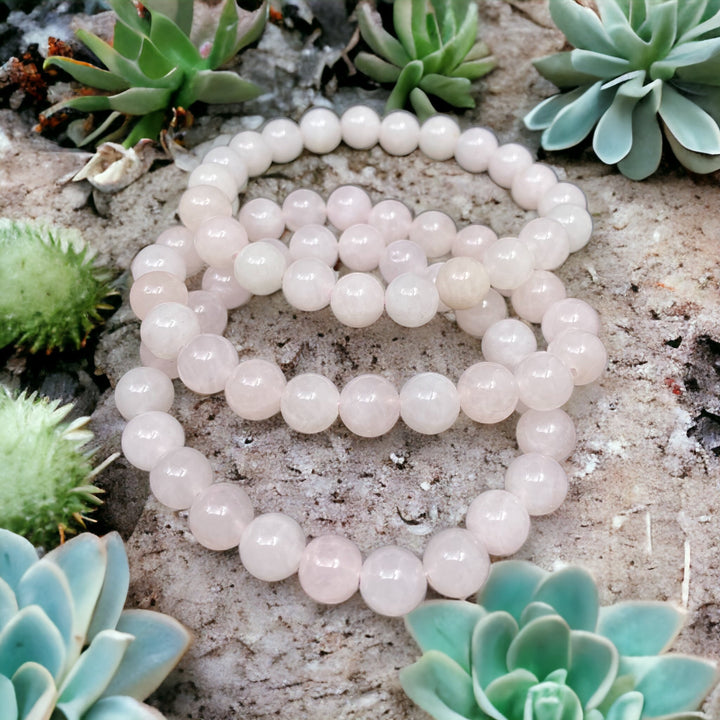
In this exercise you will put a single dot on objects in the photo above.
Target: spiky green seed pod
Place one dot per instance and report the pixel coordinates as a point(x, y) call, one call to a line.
point(46, 470)
point(52, 291)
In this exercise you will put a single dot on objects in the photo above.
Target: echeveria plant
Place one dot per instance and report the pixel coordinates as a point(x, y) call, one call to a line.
point(152, 65)
point(68, 650)
point(640, 69)
point(537, 646)
point(436, 52)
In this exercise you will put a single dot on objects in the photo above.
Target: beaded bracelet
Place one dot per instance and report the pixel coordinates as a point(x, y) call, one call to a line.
point(188, 326)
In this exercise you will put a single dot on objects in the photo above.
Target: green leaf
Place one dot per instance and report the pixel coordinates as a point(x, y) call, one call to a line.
point(7, 697)
point(140, 100)
point(704, 73)
point(643, 159)
point(403, 11)
point(17, 555)
point(225, 34)
point(122, 708)
point(613, 137)
point(35, 692)
point(462, 42)
point(697, 162)
point(422, 21)
point(593, 667)
point(550, 700)
point(128, 14)
point(218, 86)
point(173, 43)
point(407, 80)
point(690, 14)
point(379, 40)
point(559, 69)
point(446, 626)
point(126, 41)
point(663, 24)
point(87, 74)
point(627, 707)
point(114, 589)
point(536, 610)
point(573, 594)
point(510, 586)
point(543, 114)
point(617, 26)
point(711, 25)
point(250, 34)
point(692, 53)
point(152, 62)
point(421, 104)
point(690, 125)
point(376, 68)
point(600, 65)
point(541, 647)
point(8, 604)
point(491, 640)
point(453, 90)
point(179, 11)
point(474, 69)
point(508, 693)
point(581, 26)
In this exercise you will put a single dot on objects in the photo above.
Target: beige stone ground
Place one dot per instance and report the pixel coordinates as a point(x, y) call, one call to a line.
point(642, 513)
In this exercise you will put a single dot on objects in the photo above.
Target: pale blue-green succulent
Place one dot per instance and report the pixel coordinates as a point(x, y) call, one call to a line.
point(640, 70)
point(68, 650)
point(538, 646)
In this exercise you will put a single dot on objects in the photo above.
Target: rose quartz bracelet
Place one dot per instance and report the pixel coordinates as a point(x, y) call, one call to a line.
point(182, 334)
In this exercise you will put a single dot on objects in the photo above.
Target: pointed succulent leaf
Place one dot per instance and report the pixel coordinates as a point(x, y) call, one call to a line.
point(711, 25)
point(128, 14)
point(225, 34)
point(218, 86)
point(581, 26)
point(17, 555)
point(140, 100)
point(618, 27)
point(541, 647)
point(440, 687)
point(689, 15)
point(690, 125)
point(421, 104)
point(627, 707)
point(510, 586)
point(536, 610)
point(173, 43)
point(573, 594)
point(249, 31)
point(550, 700)
point(153, 63)
point(697, 162)
point(491, 640)
point(126, 41)
point(160, 641)
point(453, 90)
point(8, 604)
point(381, 41)
point(593, 667)
point(559, 69)
point(7, 697)
point(425, 32)
point(640, 628)
point(34, 691)
point(474, 69)
point(87, 74)
point(644, 156)
point(446, 626)
point(663, 25)
point(680, 56)
point(403, 11)
point(121, 708)
point(407, 80)
point(598, 64)
point(507, 694)
point(376, 68)
point(704, 73)
point(462, 42)
point(544, 114)
point(84, 103)
point(179, 11)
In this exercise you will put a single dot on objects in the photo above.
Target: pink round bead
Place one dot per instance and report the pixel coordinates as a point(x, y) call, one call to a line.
point(219, 515)
point(143, 389)
point(200, 203)
point(577, 222)
point(210, 310)
point(462, 283)
point(253, 150)
point(509, 263)
point(357, 300)
point(179, 238)
point(154, 288)
point(348, 205)
point(399, 133)
point(538, 481)
point(205, 363)
point(582, 352)
point(438, 137)
point(254, 389)
point(260, 267)
point(472, 240)
point(531, 184)
point(432, 273)
point(392, 581)
point(308, 284)
point(369, 405)
point(218, 240)
point(262, 218)
point(179, 477)
point(272, 546)
point(231, 160)
point(168, 367)
point(392, 218)
point(167, 327)
point(544, 383)
point(561, 194)
point(508, 342)
point(477, 320)
point(360, 126)
point(550, 432)
point(224, 285)
point(320, 130)
point(547, 240)
point(148, 436)
point(429, 403)
point(400, 257)
point(499, 520)
point(329, 571)
point(284, 138)
point(411, 300)
point(474, 149)
point(434, 232)
point(531, 300)
point(216, 176)
point(360, 247)
point(158, 258)
point(303, 207)
point(456, 564)
point(569, 314)
point(506, 162)
point(488, 392)
point(314, 241)
point(309, 403)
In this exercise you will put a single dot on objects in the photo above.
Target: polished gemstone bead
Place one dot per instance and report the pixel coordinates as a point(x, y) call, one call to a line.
point(472, 240)
point(320, 130)
point(541, 290)
point(309, 403)
point(179, 238)
point(232, 161)
point(143, 389)
point(476, 320)
point(509, 263)
point(563, 193)
point(462, 283)
point(392, 581)
point(302, 207)
point(148, 436)
point(308, 284)
point(284, 138)
point(582, 352)
point(169, 367)
point(438, 137)
point(205, 363)
point(488, 392)
point(348, 205)
point(539, 481)
point(218, 240)
point(254, 388)
point(329, 571)
point(392, 218)
point(474, 149)
point(544, 382)
point(399, 133)
point(154, 288)
point(569, 314)
point(168, 327)
point(360, 247)
point(314, 241)
point(547, 240)
point(400, 257)
point(360, 126)
point(429, 403)
point(530, 185)
point(577, 222)
point(549, 432)
point(507, 342)
point(219, 515)
point(499, 520)
point(262, 218)
point(254, 151)
point(369, 405)
point(506, 162)
point(224, 285)
point(434, 232)
point(202, 202)
point(216, 176)
point(158, 258)
point(179, 477)
point(271, 547)
point(260, 268)
point(357, 300)
point(411, 300)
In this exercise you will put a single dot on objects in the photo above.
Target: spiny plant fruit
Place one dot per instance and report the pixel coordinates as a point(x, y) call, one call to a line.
point(436, 52)
point(53, 293)
point(46, 472)
point(152, 67)
point(640, 70)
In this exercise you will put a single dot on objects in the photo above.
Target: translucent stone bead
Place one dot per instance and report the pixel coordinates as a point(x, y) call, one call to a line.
point(360, 247)
point(219, 515)
point(143, 389)
point(582, 352)
point(224, 285)
point(392, 218)
point(360, 126)
point(462, 283)
point(260, 268)
point(538, 481)
point(179, 238)
point(506, 162)
point(254, 151)
point(148, 436)
point(158, 258)
point(431, 274)
point(179, 477)
point(499, 520)
point(475, 321)
point(561, 194)
point(438, 137)
point(254, 389)
point(284, 138)
point(216, 176)
point(474, 149)
point(509, 263)
point(550, 433)
point(210, 311)
point(392, 581)
point(472, 240)
point(569, 314)
point(271, 547)
point(205, 363)
point(167, 327)
point(231, 160)
point(399, 133)
point(488, 392)
point(202, 202)
point(262, 218)
point(531, 184)
point(309, 403)
point(154, 288)
point(320, 130)
point(329, 571)
point(369, 405)
point(577, 222)
point(429, 403)
point(314, 241)
point(544, 383)
point(532, 299)
point(456, 564)
point(411, 300)
point(168, 367)
point(547, 241)
point(348, 205)
point(508, 342)
point(218, 240)
point(434, 232)
point(303, 207)
point(400, 257)
point(357, 300)
point(308, 284)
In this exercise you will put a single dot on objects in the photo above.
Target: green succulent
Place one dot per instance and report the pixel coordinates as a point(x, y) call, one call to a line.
point(436, 52)
point(640, 69)
point(68, 650)
point(537, 646)
point(152, 66)
point(53, 293)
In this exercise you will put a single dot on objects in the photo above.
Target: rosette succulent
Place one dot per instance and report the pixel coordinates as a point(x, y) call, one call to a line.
point(537, 646)
point(436, 52)
point(640, 69)
point(152, 66)
point(68, 650)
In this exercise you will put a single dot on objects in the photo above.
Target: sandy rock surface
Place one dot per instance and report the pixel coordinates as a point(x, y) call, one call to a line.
point(642, 512)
